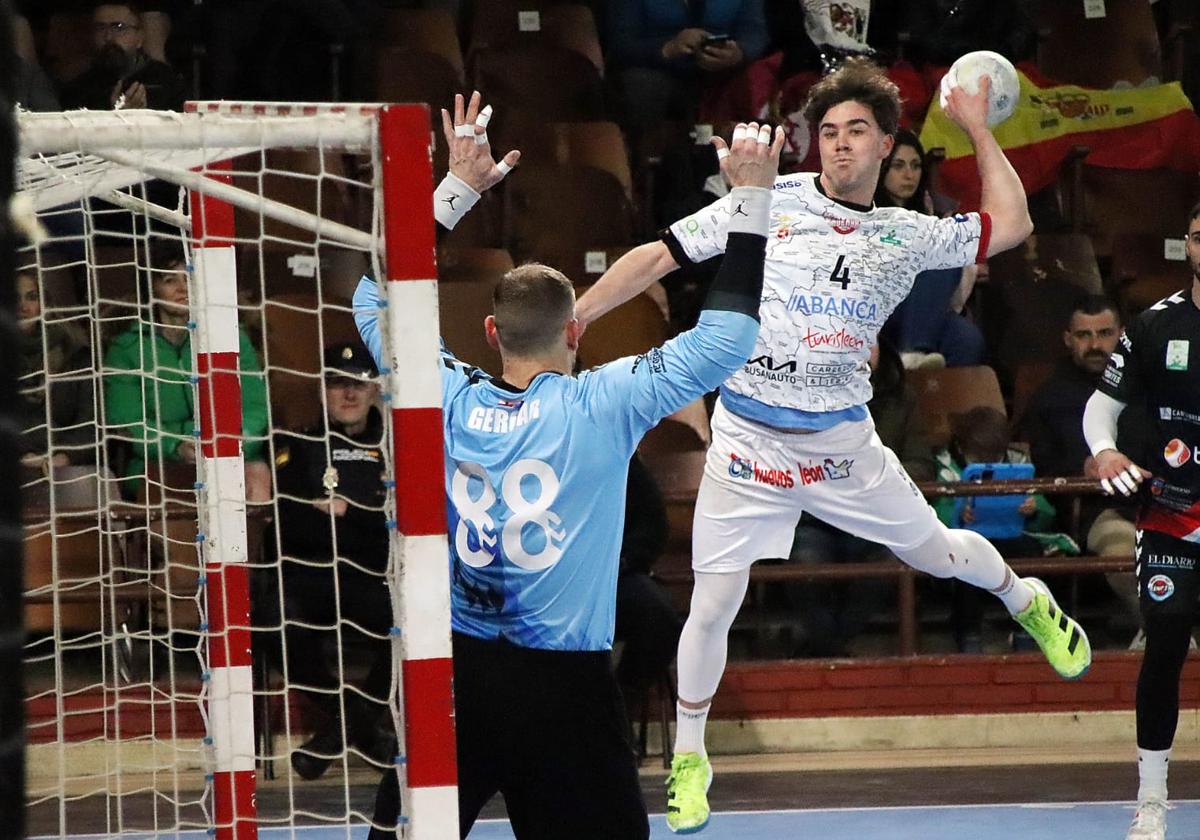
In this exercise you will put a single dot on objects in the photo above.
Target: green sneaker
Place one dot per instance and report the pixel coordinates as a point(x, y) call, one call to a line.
point(687, 793)
point(1060, 637)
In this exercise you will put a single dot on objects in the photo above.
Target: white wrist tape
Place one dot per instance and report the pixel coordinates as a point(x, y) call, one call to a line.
point(451, 200)
point(749, 210)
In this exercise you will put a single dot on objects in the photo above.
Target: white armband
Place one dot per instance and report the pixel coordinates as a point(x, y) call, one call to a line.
point(451, 200)
point(749, 210)
point(1100, 422)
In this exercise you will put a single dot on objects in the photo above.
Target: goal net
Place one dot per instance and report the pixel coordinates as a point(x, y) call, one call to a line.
point(236, 591)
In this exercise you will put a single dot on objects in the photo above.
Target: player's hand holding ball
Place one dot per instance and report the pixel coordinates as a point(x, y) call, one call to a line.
point(980, 90)
point(751, 159)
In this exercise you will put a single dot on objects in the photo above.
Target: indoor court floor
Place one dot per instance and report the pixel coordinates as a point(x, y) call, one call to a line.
point(1063, 801)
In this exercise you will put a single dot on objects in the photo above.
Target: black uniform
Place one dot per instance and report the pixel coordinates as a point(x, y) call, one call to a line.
point(1156, 367)
point(352, 468)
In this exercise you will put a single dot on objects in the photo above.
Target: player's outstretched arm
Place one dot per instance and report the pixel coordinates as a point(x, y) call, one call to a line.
point(473, 171)
point(1116, 471)
point(1003, 195)
point(628, 277)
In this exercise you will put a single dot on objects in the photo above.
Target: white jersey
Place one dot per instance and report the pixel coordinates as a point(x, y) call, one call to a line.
point(834, 273)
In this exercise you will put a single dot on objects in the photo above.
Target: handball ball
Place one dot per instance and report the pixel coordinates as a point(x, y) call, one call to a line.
point(1005, 85)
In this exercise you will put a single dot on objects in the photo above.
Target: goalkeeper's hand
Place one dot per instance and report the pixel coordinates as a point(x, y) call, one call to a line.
point(470, 152)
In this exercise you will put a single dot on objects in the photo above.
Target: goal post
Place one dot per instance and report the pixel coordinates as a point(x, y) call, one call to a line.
point(187, 732)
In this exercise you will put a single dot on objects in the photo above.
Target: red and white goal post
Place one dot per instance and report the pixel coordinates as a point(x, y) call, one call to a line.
point(276, 211)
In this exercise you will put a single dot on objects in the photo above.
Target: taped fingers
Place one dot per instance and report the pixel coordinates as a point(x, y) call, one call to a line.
point(504, 167)
point(740, 132)
point(722, 154)
point(764, 135)
point(482, 121)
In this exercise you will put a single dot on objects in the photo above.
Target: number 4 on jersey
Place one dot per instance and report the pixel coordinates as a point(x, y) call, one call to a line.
point(841, 272)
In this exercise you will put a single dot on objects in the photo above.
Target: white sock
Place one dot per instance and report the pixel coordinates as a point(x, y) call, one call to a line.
point(1014, 592)
point(689, 728)
point(1152, 774)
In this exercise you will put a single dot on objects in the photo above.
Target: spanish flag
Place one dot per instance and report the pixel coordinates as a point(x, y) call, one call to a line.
point(1133, 128)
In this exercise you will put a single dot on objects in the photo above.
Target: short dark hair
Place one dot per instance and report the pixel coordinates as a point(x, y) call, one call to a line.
point(134, 6)
point(1093, 304)
point(1195, 214)
point(859, 80)
point(531, 304)
point(982, 431)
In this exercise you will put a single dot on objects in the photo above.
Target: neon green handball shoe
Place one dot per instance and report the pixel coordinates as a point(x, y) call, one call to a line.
point(687, 793)
point(1060, 637)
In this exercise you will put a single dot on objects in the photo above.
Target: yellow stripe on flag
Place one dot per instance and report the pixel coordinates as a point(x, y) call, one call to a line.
point(1049, 113)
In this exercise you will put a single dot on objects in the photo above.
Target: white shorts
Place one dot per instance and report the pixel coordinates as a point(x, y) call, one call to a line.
point(758, 479)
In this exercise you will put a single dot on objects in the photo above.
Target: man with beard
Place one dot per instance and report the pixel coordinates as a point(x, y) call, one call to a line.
point(121, 73)
point(1152, 368)
point(1053, 426)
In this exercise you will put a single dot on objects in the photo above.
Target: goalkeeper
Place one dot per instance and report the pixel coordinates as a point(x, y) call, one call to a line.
point(536, 463)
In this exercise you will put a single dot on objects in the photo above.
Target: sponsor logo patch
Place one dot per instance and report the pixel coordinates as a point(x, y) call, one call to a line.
point(1160, 587)
point(747, 470)
point(825, 471)
point(1177, 453)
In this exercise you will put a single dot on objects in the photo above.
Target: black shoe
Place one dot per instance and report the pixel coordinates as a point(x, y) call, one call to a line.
point(313, 757)
point(377, 744)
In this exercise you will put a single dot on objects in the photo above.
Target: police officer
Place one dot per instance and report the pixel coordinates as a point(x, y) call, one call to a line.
point(333, 542)
point(1153, 367)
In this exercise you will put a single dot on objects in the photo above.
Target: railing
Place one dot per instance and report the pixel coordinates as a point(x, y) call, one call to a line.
point(682, 493)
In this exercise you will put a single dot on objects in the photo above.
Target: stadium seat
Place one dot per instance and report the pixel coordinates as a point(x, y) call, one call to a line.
point(1141, 273)
point(429, 30)
point(294, 367)
point(508, 23)
point(472, 263)
point(598, 143)
point(463, 304)
point(300, 178)
point(1132, 201)
point(407, 74)
point(483, 227)
point(68, 46)
point(68, 561)
point(556, 207)
point(1029, 294)
point(950, 391)
point(1122, 45)
point(545, 81)
point(629, 330)
point(582, 265)
point(1028, 378)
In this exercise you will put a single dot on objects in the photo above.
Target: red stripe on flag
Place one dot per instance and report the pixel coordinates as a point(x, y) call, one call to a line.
point(220, 404)
point(1172, 142)
point(228, 602)
point(212, 219)
point(408, 225)
point(417, 440)
point(236, 808)
point(429, 722)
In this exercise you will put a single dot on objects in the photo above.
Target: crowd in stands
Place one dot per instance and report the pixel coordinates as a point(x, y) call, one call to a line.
point(668, 76)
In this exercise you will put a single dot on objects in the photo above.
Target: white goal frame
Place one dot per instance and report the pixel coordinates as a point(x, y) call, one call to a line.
point(72, 155)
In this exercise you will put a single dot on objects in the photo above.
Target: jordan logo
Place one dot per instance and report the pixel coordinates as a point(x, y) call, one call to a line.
point(739, 211)
point(450, 200)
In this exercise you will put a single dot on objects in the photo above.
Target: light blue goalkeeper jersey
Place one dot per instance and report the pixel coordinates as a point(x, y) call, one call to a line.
point(535, 478)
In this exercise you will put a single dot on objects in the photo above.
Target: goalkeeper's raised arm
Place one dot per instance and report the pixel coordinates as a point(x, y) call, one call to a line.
point(636, 270)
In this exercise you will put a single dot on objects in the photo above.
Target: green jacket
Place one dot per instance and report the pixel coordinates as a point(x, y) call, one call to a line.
point(157, 413)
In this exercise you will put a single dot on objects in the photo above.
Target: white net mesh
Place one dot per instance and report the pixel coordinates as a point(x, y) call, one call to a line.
point(118, 670)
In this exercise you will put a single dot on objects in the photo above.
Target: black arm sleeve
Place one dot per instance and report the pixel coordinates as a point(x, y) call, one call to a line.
point(739, 282)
